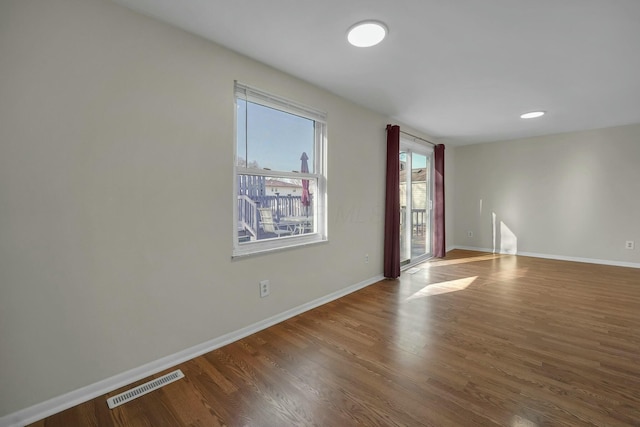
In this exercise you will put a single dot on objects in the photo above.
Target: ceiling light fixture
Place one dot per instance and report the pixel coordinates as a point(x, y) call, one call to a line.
point(367, 33)
point(532, 115)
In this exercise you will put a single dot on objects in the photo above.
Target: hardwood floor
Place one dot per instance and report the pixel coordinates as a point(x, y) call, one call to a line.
point(474, 339)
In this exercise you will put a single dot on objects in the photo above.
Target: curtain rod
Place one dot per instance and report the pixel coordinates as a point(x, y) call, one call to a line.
point(417, 137)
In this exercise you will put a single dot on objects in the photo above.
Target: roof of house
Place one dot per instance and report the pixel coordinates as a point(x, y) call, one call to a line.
point(417, 175)
point(278, 183)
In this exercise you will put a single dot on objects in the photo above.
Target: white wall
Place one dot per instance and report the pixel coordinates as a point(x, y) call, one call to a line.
point(569, 195)
point(116, 153)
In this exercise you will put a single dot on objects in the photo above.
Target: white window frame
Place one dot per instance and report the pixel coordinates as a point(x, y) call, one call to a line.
point(251, 94)
point(411, 146)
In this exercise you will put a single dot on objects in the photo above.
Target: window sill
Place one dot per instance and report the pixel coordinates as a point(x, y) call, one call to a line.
point(262, 248)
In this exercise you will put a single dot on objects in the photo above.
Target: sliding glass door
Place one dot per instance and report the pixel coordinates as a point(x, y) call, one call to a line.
point(416, 185)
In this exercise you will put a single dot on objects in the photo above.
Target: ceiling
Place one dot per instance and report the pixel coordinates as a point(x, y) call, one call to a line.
point(461, 71)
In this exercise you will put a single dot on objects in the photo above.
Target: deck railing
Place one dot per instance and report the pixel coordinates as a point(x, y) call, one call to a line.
point(418, 219)
point(247, 215)
point(281, 206)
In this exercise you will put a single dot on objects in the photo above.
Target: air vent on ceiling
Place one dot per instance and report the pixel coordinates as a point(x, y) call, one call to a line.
point(144, 389)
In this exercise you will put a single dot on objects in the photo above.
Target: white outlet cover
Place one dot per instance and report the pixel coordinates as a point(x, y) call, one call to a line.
point(264, 288)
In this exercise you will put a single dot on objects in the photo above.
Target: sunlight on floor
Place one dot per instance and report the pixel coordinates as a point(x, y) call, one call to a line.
point(510, 274)
point(443, 287)
point(518, 421)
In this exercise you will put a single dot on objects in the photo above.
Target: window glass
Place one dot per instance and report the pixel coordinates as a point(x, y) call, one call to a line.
point(280, 182)
point(271, 139)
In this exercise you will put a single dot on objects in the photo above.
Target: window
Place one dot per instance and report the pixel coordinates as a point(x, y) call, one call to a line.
point(280, 184)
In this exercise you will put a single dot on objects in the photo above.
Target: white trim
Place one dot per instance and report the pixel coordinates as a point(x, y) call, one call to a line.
point(556, 257)
point(268, 173)
point(411, 147)
point(585, 260)
point(265, 246)
point(471, 248)
point(60, 403)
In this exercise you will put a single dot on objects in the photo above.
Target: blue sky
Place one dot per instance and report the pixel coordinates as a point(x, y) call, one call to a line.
point(417, 160)
point(276, 139)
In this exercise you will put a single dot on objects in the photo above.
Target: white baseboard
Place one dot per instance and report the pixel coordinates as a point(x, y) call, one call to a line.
point(586, 260)
point(559, 257)
point(472, 248)
point(60, 403)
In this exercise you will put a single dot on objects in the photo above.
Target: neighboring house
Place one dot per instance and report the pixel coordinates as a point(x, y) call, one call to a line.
point(276, 187)
point(419, 187)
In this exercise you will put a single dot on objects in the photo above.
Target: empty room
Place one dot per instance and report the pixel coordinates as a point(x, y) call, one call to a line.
point(293, 213)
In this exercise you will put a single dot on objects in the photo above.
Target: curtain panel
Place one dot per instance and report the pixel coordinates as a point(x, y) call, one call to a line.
point(392, 205)
point(439, 246)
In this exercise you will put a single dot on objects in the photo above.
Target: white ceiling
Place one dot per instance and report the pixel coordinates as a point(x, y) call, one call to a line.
point(462, 71)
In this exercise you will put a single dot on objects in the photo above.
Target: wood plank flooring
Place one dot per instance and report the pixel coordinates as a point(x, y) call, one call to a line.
point(474, 339)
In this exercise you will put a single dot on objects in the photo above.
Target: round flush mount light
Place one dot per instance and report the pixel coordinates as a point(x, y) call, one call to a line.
point(532, 114)
point(367, 33)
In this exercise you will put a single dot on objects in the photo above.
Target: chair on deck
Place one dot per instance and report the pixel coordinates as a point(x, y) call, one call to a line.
point(269, 225)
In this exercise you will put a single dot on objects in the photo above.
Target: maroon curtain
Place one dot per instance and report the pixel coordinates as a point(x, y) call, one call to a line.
point(439, 247)
point(392, 205)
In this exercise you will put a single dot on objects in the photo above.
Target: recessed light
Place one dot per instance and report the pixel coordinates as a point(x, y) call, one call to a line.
point(367, 33)
point(532, 115)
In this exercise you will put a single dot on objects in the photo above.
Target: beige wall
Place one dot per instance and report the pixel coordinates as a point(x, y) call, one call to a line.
point(116, 153)
point(569, 195)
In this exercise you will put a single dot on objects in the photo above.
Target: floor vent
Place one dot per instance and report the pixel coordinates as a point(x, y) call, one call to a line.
point(413, 270)
point(144, 389)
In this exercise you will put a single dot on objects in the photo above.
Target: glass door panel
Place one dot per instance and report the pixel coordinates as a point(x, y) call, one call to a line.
point(415, 202)
point(419, 206)
point(405, 220)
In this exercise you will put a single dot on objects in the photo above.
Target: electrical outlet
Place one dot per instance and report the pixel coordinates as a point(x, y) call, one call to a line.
point(630, 244)
point(265, 288)
point(366, 258)
point(469, 233)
